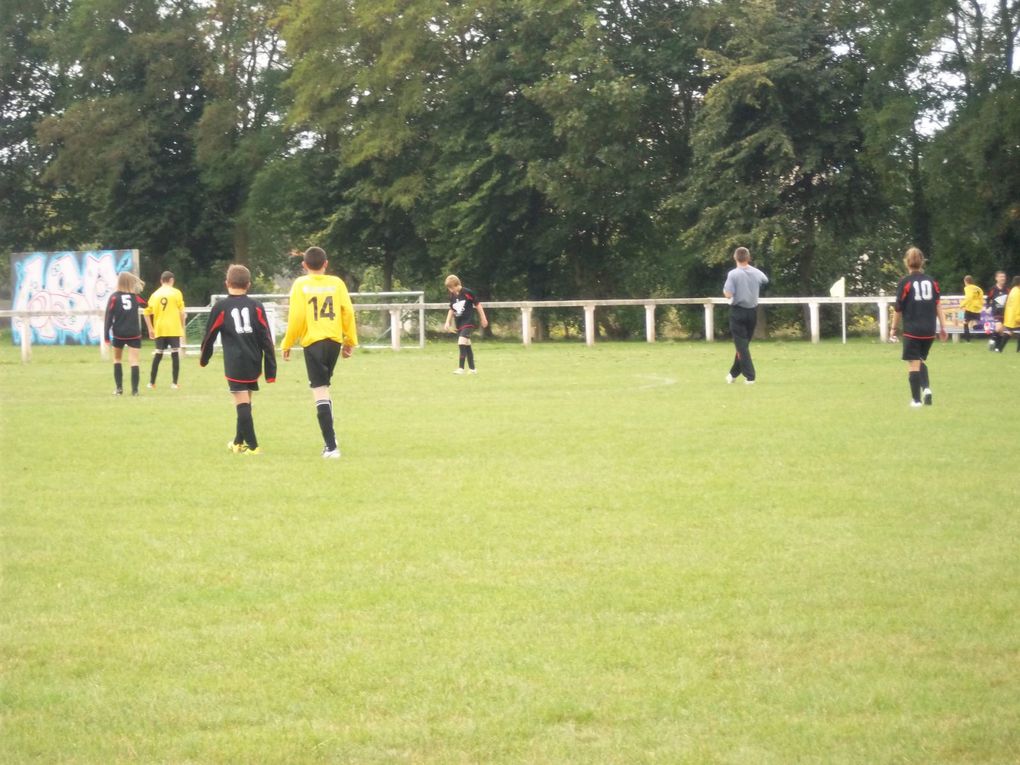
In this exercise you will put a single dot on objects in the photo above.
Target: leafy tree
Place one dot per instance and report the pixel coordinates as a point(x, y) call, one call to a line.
point(777, 147)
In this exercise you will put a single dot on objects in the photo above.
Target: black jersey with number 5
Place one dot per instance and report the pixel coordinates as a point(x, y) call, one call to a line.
point(241, 323)
point(121, 319)
point(917, 298)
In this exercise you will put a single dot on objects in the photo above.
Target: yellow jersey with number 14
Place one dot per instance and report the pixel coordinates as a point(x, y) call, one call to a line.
point(320, 309)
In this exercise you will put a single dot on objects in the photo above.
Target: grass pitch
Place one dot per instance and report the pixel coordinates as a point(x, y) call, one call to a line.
point(600, 555)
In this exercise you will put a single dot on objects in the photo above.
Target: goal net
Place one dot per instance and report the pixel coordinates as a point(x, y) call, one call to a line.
point(385, 319)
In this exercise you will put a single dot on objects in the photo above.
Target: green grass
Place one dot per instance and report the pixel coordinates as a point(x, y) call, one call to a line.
point(581, 555)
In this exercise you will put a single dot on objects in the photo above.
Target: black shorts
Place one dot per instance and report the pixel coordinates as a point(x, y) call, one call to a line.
point(320, 361)
point(238, 386)
point(466, 330)
point(120, 342)
point(971, 315)
point(163, 343)
point(916, 349)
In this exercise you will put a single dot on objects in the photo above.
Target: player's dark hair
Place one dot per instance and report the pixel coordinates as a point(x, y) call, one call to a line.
point(742, 254)
point(314, 258)
point(238, 277)
point(166, 276)
point(1016, 281)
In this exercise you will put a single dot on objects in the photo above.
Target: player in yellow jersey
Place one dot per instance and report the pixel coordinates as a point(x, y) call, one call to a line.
point(166, 327)
point(973, 299)
point(321, 318)
point(1011, 316)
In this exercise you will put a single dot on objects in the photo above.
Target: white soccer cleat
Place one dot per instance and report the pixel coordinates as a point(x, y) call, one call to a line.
point(236, 448)
point(458, 371)
point(150, 386)
point(926, 396)
point(916, 404)
point(174, 386)
point(748, 382)
point(472, 371)
point(331, 454)
point(730, 378)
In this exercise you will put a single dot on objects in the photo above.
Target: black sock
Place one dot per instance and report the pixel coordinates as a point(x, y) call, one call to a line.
point(246, 427)
point(324, 411)
point(924, 376)
point(175, 363)
point(135, 376)
point(155, 367)
point(118, 375)
point(1003, 340)
point(915, 386)
point(966, 331)
point(463, 354)
point(470, 356)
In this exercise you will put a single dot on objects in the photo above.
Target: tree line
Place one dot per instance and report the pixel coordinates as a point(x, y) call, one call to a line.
point(538, 148)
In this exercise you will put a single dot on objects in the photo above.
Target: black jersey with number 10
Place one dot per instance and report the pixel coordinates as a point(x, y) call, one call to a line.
point(242, 324)
point(917, 298)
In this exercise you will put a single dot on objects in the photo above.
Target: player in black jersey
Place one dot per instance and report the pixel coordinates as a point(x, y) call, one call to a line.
point(995, 301)
point(122, 327)
point(463, 307)
point(247, 347)
point(917, 302)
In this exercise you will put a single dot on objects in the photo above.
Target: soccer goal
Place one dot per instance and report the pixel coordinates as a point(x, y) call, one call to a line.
point(385, 319)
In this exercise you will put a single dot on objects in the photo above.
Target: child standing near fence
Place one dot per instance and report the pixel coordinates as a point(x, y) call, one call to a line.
point(463, 307)
point(122, 327)
point(247, 347)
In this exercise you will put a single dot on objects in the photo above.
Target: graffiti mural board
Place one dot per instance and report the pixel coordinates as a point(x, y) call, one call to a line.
point(66, 281)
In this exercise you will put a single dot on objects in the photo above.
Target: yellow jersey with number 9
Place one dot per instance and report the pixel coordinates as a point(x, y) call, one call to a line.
point(320, 309)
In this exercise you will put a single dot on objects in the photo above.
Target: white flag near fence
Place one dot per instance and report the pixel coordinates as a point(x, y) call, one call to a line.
point(838, 290)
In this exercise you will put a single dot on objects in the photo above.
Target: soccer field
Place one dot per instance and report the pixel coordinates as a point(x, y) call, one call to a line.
point(580, 555)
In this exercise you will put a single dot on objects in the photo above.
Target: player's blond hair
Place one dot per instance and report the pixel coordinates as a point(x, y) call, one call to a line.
point(452, 281)
point(128, 282)
point(914, 259)
point(238, 277)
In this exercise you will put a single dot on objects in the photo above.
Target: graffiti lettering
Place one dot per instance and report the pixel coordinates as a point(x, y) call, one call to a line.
point(66, 281)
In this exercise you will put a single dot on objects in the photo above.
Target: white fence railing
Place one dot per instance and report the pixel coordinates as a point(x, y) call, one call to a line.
point(527, 308)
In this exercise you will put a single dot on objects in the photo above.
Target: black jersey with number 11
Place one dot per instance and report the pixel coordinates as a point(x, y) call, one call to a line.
point(244, 328)
point(917, 298)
